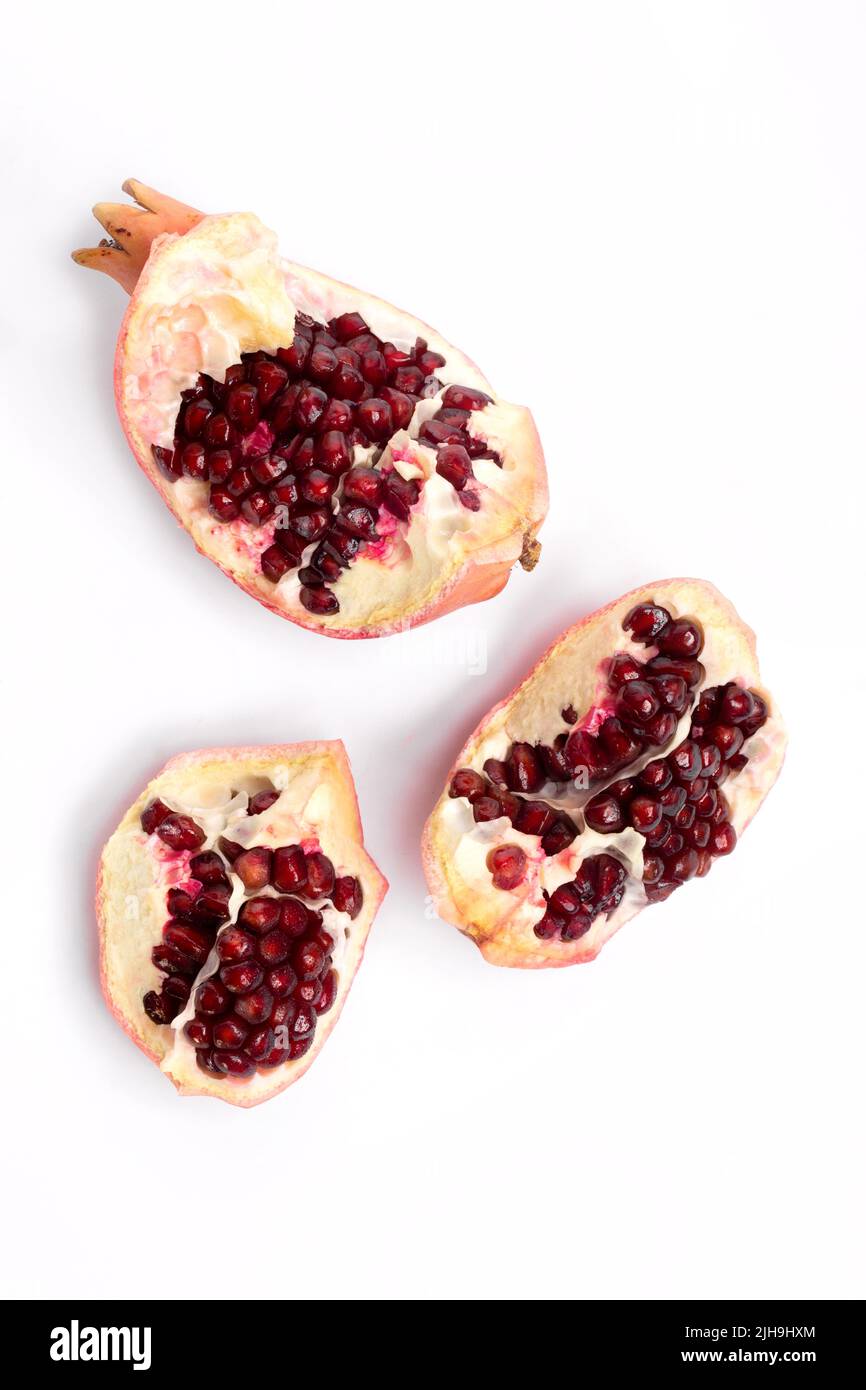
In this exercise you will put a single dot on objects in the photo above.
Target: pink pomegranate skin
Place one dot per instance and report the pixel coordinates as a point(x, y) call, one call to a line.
point(502, 923)
point(124, 945)
point(479, 558)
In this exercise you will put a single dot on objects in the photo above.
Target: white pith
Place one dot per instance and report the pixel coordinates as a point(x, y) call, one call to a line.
point(316, 808)
point(222, 290)
point(572, 673)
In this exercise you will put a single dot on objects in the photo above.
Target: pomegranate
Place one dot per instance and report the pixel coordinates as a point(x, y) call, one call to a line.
point(628, 762)
point(337, 458)
point(234, 901)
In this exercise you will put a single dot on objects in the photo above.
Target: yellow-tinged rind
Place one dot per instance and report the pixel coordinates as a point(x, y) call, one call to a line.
point(221, 290)
point(569, 673)
point(131, 911)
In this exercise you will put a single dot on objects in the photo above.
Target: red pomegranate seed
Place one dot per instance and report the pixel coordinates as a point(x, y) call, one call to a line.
point(253, 867)
point(523, 769)
point(229, 1033)
point(212, 998)
point(171, 960)
point(402, 407)
point(466, 398)
point(234, 944)
point(273, 948)
point(604, 814)
point(159, 1008)
point(177, 987)
point(281, 980)
point(682, 638)
point(275, 563)
point(167, 460)
point(308, 959)
point(217, 433)
point(259, 915)
point(320, 876)
point(193, 461)
point(255, 1006)
point(153, 815)
point(507, 864)
point(399, 495)
point(222, 505)
point(180, 832)
point(233, 1063)
point(190, 939)
point(723, 838)
point(468, 783)
point(242, 407)
point(289, 868)
point(374, 417)
point(241, 976)
point(199, 1031)
point(347, 895)
point(319, 601)
point(454, 465)
point(623, 668)
point(645, 621)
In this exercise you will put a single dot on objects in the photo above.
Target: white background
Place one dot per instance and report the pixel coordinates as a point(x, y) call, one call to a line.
point(647, 222)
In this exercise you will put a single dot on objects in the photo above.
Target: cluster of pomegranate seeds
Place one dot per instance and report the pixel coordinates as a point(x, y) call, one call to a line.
point(276, 441)
point(491, 797)
point(649, 699)
point(275, 976)
point(676, 802)
point(573, 907)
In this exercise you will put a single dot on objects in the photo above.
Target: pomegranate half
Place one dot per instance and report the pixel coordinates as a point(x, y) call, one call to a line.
point(234, 901)
point(628, 761)
point(336, 457)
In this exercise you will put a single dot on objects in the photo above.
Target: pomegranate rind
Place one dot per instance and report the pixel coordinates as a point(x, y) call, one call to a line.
point(130, 903)
point(221, 290)
point(570, 671)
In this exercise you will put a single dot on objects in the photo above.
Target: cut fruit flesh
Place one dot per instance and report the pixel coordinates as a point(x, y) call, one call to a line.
point(234, 900)
point(648, 806)
point(246, 392)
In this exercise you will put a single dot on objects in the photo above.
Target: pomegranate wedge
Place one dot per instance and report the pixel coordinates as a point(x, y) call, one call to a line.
point(337, 458)
point(629, 760)
point(234, 901)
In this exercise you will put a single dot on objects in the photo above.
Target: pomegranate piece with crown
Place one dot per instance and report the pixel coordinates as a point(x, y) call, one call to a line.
point(628, 762)
point(228, 975)
point(336, 457)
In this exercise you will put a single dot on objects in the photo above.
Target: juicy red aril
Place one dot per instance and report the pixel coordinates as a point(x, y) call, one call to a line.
point(180, 832)
point(255, 1004)
point(399, 495)
point(363, 485)
point(319, 601)
point(523, 769)
point(320, 876)
point(682, 638)
point(289, 868)
point(212, 998)
point(195, 417)
point(235, 945)
point(507, 864)
point(273, 948)
point(233, 1063)
point(454, 465)
point(154, 813)
point(241, 976)
point(193, 941)
point(597, 890)
point(465, 398)
point(253, 867)
point(375, 419)
point(207, 867)
point(229, 1033)
point(347, 895)
point(193, 461)
point(259, 915)
point(171, 960)
point(645, 622)
point(222, 505)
